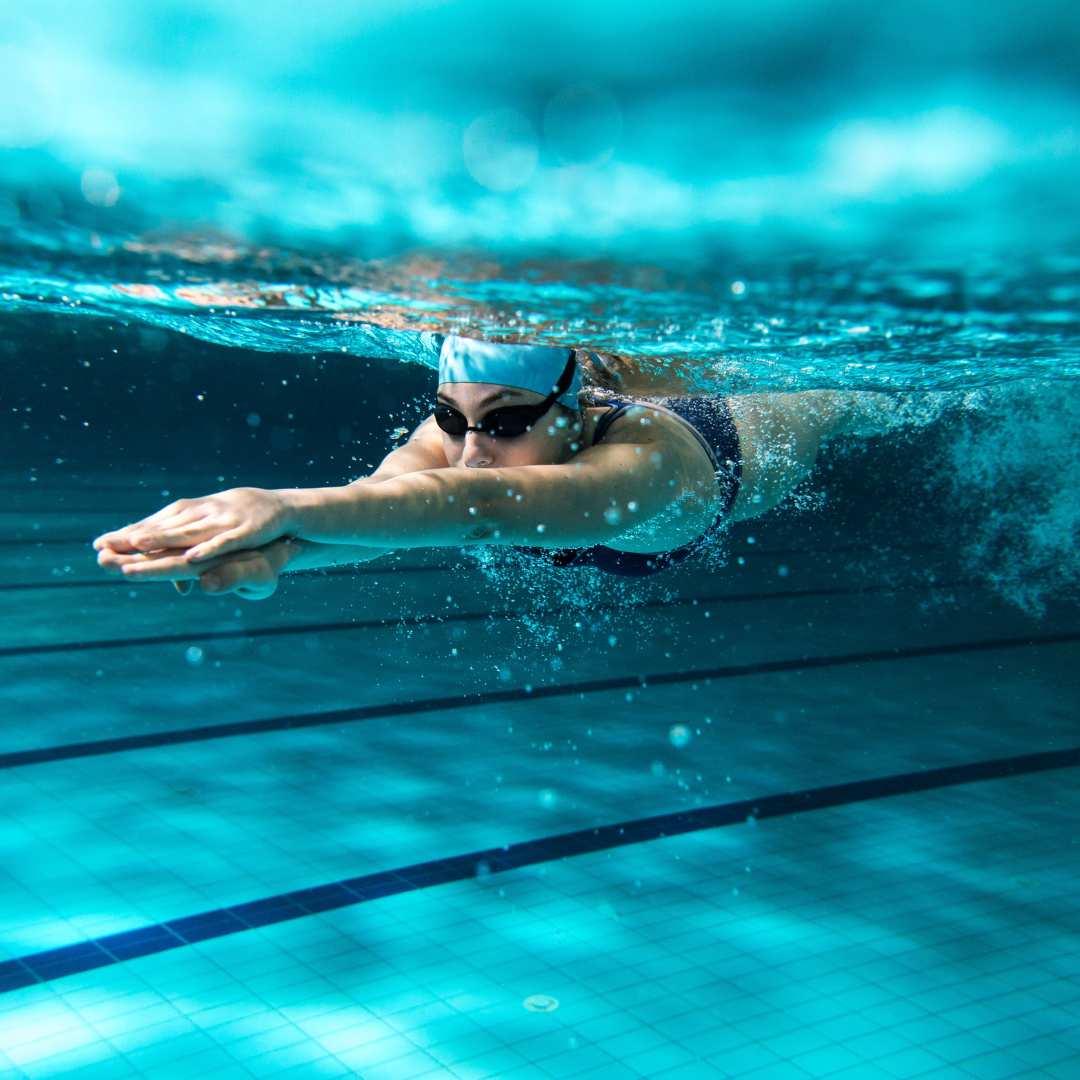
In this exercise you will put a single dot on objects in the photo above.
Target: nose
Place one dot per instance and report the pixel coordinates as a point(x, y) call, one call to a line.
point(476, 453)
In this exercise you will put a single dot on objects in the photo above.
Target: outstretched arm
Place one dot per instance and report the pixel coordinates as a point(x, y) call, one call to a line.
point(252, 573)
point(592, 499)
point(259, 510)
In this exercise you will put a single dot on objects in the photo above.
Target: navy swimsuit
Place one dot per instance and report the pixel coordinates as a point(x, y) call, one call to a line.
point(709, 418)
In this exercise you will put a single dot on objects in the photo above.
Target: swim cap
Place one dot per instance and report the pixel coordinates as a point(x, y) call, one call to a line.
point(527, 367)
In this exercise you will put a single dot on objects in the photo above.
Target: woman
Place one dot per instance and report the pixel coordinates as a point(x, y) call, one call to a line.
point(512, 455)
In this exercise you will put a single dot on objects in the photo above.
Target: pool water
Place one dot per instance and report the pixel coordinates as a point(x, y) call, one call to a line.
point(801, 807)
point(364, 827)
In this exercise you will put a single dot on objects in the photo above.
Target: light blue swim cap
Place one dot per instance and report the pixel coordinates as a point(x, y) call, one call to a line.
point(527, 367)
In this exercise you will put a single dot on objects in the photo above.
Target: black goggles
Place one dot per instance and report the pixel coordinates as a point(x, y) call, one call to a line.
point(509, 421)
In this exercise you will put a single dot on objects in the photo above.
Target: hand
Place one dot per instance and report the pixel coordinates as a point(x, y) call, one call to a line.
point(252, 574)
point(234, 520)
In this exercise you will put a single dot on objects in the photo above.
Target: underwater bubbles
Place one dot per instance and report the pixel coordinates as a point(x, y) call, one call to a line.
point(679, 735)
point(548, 798)
point(583, 125)
point(501, 150)
point(194, 655)
point(99, 188)
point(154, 340)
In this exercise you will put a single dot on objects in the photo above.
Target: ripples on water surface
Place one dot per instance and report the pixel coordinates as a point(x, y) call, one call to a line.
point(810, 323)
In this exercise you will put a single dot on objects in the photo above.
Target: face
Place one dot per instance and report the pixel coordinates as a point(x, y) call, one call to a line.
point(549, 442)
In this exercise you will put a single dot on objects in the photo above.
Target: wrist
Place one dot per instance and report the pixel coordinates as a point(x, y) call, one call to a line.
point(283, 552)
point(296, 504)
point(322, 515)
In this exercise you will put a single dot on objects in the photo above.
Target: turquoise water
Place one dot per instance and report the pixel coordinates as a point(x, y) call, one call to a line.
point(800, 807)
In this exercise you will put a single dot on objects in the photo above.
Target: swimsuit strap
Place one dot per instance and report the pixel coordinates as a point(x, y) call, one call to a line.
point(614, 412)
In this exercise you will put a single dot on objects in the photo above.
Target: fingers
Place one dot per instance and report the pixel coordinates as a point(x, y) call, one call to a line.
point(115, 541)
point(248, 574)
point(233, 540)
point(118, 562)
point(122, 539)
point(168, 565)
point(180, 531)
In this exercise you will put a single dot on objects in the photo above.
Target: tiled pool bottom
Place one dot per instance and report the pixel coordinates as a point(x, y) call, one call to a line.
point(930, 935)
point(916, 935)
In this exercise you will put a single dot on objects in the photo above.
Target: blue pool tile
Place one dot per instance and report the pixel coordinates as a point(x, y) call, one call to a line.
point(743, 1059)
point(910, 1063)
point(865, 1070)
point(1044, 1051)
point(651, 1062)
point(266, 912)
point(795, 1043)
point(1063, 1070)
point(14, 976)
point(876, 1045)
point(718, 1040)
point(612, 1070)
point(69, 960)
point(390, 1058)
point(206, 925)
point(574, 1062)
point(144, 941)
point(999, 1065)
point(694, 1070)
point(828, 1059)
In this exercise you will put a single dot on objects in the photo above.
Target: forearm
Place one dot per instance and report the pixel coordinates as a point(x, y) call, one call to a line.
point(307, 555)
point(547, 506)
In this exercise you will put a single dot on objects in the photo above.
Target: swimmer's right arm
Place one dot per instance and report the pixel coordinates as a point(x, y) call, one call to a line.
point(252, 573)
point(422, 452)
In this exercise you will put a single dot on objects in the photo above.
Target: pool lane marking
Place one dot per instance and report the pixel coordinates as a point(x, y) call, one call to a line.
point(387, 568)
point(42, 967)
point(98, 747)
point(191, 636)
point(305, 574)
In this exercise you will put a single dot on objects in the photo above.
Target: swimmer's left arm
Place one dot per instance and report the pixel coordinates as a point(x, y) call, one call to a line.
point(591, 499)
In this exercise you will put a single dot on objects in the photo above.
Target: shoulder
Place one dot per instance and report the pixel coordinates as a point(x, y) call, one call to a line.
point(634, 422)
point(422, 451)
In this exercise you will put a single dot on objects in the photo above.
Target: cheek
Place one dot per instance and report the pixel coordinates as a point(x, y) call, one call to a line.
point(452, 449)
point(534, 448)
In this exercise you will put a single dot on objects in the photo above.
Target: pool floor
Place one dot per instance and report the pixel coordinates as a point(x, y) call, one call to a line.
point(930, 933)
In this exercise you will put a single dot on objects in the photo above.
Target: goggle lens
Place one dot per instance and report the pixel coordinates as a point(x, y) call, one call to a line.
point(506, 423)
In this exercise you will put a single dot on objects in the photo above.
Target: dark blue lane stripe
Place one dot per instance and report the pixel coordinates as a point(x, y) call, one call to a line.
point(115, 948)
point(426, 620)
point(98, 747)
point(121, 583)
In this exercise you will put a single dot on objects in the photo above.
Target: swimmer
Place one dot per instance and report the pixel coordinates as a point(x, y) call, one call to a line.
point(515, 454)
